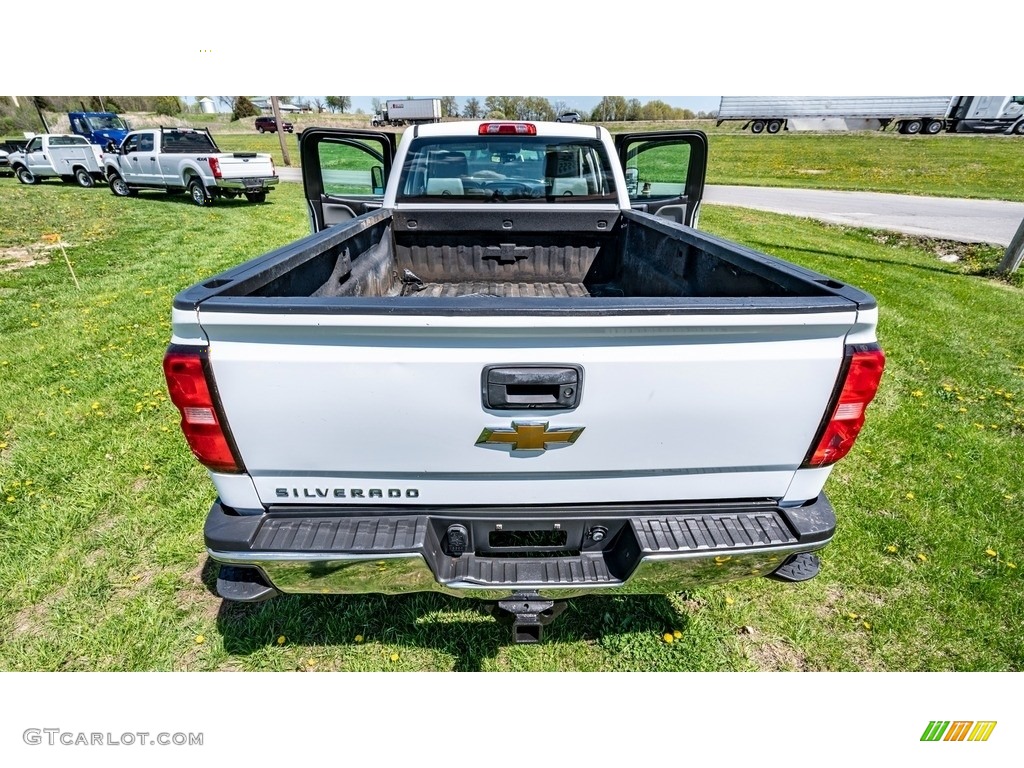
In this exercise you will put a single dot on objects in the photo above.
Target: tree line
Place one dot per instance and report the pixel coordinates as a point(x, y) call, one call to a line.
point(24, 114)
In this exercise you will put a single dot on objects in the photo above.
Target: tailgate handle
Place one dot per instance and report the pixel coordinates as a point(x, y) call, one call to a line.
point(551, 387)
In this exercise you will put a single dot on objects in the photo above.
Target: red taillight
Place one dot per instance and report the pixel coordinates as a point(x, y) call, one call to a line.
point(517, 129)
point(214, 166)
point(190, 392)
point(862, 373)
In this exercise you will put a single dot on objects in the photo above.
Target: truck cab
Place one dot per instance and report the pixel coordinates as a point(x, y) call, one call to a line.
point(99, 128)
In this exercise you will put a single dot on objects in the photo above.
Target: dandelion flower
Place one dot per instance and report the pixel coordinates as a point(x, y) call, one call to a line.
point(394, 657)
point(200, 639)
point(667, 637)
point(867, 625)
point(281, 640)
point(910, 495)
point(853, 615)
point(922, 557)
point(729, 601)
point(917, 393)
point(891, 548)
point(991, 552)
point(359, 638)
point(676, 634)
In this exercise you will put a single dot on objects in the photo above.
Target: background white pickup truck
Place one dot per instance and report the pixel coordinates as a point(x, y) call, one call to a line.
point(185, 159)
point(516, 372)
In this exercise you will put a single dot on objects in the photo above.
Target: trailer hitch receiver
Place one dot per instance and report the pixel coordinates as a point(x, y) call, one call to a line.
point(528, 614)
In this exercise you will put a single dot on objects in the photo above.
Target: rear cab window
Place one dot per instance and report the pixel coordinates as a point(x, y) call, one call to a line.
point(506, 169)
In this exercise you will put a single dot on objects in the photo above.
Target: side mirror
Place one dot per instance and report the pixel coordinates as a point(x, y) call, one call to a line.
point(377, 179)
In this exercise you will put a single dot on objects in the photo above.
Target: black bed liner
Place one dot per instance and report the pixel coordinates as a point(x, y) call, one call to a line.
point(443, 263)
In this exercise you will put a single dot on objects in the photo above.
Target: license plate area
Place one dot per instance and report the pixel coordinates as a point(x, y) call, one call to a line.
point(253, 184)
point(547, 537)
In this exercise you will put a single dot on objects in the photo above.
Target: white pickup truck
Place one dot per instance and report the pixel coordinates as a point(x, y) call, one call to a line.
point(505, 365)
point(186, 160)
point(53, 155)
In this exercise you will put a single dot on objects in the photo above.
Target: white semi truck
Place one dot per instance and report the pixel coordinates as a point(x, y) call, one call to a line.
point(398, 112)
point(909, 114)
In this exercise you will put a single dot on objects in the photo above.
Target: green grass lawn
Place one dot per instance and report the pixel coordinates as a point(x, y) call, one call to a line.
point(102, 564)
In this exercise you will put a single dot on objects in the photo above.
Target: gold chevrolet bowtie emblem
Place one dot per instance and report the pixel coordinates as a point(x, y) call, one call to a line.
point(529, 436)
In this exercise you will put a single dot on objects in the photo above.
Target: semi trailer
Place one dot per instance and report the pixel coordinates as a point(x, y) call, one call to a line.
point(908, 114)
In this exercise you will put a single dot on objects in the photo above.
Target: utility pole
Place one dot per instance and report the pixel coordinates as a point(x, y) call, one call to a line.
point(1014, 253)
point(280, 130)
point(46, 128)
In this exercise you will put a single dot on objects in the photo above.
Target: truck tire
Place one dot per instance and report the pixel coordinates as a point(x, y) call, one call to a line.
point(120, 187)
point(757, 126)
point(256, 197)
point(198, 193)
point(1018, 129)
point(25, 176)
point(932, 127)
point(84, 178)
point(774, 126)
point(911, 127)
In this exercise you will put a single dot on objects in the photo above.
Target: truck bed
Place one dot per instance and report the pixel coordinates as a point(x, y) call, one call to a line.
point(460, 259)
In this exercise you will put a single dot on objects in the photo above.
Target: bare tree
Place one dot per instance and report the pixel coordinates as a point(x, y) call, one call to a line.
point(319, 103)
point(472, 108)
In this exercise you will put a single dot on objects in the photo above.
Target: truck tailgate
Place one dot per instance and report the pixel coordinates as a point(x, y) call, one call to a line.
point(245, 165)
point(353, 409)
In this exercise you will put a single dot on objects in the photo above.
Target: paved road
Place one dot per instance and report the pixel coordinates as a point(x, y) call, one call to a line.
point(983, 221)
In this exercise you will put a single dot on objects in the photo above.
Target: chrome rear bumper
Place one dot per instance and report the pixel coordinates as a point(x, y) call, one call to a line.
point(656, 549)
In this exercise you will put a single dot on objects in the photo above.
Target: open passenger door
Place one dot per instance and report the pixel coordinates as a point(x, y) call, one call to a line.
point(344, 172)
point(665, 172)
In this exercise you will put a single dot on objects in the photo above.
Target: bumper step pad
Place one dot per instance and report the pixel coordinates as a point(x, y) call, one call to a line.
point(798, 568)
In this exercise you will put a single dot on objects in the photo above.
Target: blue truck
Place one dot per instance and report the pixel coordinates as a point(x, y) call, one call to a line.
point(99, 128)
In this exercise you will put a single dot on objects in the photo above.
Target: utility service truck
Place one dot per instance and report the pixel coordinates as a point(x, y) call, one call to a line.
point(505, 365)
point(51, 155)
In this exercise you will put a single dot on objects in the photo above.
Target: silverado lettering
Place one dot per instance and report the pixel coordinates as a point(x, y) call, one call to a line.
point(341, 493)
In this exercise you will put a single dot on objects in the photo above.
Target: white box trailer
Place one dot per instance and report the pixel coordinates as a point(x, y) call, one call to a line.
point(408, 112)
point(911, 114)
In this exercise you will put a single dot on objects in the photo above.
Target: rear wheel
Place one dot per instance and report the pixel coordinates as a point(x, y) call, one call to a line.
point(774, 126)
point(757, 126)
point(84, 178)
point(932, 127)
point(197, 192)
point(261, 129)
point(911, 126)
point(256, 197)
point(25, 176)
